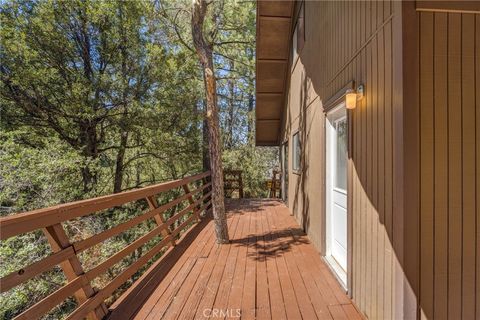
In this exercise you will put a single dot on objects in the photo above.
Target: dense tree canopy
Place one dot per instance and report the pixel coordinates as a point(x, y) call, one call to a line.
point(104, 96)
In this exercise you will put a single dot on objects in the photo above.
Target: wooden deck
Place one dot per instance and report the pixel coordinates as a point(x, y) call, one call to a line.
point(269, 271)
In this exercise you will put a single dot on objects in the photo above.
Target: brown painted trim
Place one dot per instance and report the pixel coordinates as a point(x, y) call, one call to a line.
point(406, 160)
point(400, 51)
point(268, 120)
point(286, 80)
point(269, 94)
point(272, 60)
point(323, 224)
point(349, 204)
point(274, 18)
point(333, 101)
point(286, 83)
point(299, 5)
point(449, 6)
point(265, 144)
point(285, 61)
point(296, 10)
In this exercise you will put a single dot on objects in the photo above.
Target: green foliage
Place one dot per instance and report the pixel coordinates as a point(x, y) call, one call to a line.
point(104, 96)
point(256, 165)
point(36, 176)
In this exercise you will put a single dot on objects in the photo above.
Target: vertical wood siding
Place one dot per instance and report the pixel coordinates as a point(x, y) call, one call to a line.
point(345, 41)
point(449, 98)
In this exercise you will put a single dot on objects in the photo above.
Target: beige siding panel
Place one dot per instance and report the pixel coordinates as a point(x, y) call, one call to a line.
point(454, 168)
point(441, 167)
point(449, 165)
point(368, 162)
point(364, 199)
point(387, 8)
point(356, 184)
point(388, 310)
point(468, 166)
point(368, 19)
point(381, 177)
point(477, 129)
point(426, 165)
point(359, 49)
point(374, 197)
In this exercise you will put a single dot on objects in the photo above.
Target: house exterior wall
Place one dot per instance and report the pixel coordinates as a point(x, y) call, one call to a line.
point(449, 153)
point(344, 42)
point(414, 168)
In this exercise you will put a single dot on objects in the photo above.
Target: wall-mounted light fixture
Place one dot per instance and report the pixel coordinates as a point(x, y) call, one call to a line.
point(352, 96)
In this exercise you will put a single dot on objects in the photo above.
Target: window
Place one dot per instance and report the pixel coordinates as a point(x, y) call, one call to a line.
point(341, 154)
point(285, 171)
point(297, 150)
point(294, 53)
point(298, 39)
point(285, 159)
point(300, 28)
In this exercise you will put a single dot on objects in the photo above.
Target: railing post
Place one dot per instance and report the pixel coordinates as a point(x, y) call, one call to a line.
point(159, 219)
point(72, 268)
point(240, 184)
point(206, 180)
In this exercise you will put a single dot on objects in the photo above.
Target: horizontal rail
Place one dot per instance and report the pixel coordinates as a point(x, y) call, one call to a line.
point(66, 252)
point(183, 225)
point(187, 209)
point(96, 239)
point(17, 277)
point(45, 305)
point(103, 294)
point(186, 222)
point(30, 221)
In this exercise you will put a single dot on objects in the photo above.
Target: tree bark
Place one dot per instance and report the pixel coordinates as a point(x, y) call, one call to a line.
point(204, 52)
point(119, 163)
point(205, 152)
point(89, 141)
point(250, 119)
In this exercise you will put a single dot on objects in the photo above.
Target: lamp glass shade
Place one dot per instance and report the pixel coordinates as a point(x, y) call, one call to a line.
point(351, 99)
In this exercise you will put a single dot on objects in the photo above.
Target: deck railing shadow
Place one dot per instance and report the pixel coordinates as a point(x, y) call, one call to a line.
point(133, 299)
point(169, 235)
point(270, 245)
point(248, 205)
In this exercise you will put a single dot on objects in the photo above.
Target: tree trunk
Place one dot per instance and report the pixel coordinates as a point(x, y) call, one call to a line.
point(119, 163)
point(250, 119)
point(89, 141)
point(205, 152)
point(204, 52)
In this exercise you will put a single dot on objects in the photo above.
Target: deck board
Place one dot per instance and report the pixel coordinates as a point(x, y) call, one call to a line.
point(270, 270)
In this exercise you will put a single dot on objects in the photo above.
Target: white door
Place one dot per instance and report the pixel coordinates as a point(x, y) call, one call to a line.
point(336, 156)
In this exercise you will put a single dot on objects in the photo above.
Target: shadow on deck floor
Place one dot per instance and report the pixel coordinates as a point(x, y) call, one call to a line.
point(268, 271)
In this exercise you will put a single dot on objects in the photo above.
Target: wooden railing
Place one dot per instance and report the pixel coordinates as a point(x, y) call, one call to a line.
point(65, 252)
point(233, 181)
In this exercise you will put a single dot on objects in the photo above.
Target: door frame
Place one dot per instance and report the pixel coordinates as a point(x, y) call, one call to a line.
point(346, 282)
